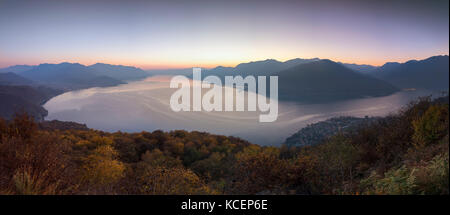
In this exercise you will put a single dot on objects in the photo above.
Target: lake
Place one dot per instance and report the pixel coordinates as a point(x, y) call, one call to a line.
point(144, 105)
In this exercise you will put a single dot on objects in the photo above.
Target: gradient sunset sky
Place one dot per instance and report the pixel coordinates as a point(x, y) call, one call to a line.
point(175, 34)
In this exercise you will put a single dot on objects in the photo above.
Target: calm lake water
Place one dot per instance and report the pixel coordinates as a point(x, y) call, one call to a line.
point(144, 105)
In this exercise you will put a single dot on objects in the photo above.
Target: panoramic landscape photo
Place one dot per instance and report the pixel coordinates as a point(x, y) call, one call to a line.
point(224, 97)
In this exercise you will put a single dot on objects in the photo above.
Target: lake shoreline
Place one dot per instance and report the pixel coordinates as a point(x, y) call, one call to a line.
point(136, 106)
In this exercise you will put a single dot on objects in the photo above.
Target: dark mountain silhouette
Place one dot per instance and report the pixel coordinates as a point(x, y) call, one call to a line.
point(431, 73)
point(68, 76)
point(297, 61)
point(18, 94)
point(265, 67)
point(325, 80)
point(16, 68)
point(27, 88)
point(257, 68)
point(387, 67)
point(363, 68)
point(311, 80)
point(119, 72)
point(10, 78)
point(28, 99)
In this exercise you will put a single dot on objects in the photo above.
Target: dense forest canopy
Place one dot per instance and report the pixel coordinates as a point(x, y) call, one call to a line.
point(404, 153)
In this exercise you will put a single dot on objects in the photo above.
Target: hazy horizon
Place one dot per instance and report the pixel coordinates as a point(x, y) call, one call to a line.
point(175, 68)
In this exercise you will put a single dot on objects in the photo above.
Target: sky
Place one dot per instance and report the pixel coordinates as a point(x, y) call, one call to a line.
point(208, 33)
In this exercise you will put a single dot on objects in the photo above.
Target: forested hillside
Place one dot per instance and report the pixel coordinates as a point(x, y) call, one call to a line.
point(306, 83)
point(25, 99)
point(316, 133)
point(406, 153)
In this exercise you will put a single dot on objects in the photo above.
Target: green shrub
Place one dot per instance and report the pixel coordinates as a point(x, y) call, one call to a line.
point(433, 178)
point(431, 126)
point(399, 181)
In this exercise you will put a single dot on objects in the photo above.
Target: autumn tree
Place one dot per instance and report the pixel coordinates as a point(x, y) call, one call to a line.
point(33, 161)
point(100, 170)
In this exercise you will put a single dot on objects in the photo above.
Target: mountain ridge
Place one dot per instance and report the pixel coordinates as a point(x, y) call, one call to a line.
point(326, 80)
point(25, 98)
point(10, 78)
point(431, 73)
point(68, 76)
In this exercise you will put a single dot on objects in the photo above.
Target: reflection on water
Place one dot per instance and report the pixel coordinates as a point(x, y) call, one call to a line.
point(144, 105)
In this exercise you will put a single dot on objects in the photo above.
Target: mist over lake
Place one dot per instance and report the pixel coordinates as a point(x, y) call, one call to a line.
point(145, 105)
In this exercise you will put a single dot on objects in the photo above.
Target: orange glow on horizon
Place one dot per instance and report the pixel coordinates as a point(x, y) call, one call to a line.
point(167, 64)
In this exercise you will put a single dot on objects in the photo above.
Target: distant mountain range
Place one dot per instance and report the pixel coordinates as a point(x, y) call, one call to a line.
point(431, 73)
point(300, 80)
point(362, 68)
point(257, 68)
point(316, 80)
point(27, 88)
point(311, 80)
point(71, 76)
point(119, 72)
point(16, 69)
point(68, 76)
